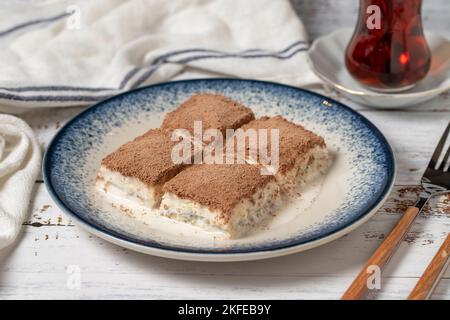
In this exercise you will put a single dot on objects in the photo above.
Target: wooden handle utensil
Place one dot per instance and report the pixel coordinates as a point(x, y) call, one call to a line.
point(359, 288)
point(433, 273)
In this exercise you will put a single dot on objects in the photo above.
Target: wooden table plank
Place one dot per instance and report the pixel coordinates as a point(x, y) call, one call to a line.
point(101, 285)
point(51, 242)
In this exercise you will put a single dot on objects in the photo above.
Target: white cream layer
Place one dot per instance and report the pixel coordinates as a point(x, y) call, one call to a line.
point(246, 215)
point(313, 164)
point(127, 189)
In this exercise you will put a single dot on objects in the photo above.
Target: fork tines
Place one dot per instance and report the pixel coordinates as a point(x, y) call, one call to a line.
point(439, 151)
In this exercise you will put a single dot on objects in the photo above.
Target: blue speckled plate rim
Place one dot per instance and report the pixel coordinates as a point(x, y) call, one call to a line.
point(143, 245)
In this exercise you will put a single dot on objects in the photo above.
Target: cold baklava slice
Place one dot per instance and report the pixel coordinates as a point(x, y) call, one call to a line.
point(292, 153)
point(230, 199)
point(136, 172)
point(214, 111)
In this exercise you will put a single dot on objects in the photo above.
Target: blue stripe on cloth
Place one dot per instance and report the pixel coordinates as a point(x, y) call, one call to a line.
point(55, 88)
point(253, 56)
point(134, 70)
point(158, 62)
point(34, 22)
point(150, 72)
point(173, 53)
point(54, 98)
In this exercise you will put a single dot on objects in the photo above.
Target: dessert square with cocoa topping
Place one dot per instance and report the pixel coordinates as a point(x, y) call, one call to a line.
point(138, 169)
point(231, 199)
point(213, 110)
point(301, 153)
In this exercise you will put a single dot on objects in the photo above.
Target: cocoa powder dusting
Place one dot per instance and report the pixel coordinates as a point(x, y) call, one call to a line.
point(294, 140)
point(147, 158)
point(218, 186)
point(214, 110)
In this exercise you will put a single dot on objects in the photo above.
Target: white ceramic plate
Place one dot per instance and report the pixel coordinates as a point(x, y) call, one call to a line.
point(326, 58)
point(356, 185)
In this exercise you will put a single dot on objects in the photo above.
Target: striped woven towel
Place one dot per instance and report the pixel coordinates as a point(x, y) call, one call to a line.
point(67, 53)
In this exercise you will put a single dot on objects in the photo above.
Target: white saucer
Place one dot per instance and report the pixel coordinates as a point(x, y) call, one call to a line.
point(326, 58)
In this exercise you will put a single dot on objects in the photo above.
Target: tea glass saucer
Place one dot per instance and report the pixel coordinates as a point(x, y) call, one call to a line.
point(326, 59)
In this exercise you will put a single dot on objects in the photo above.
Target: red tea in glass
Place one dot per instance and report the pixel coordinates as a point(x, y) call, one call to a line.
point(388, 50)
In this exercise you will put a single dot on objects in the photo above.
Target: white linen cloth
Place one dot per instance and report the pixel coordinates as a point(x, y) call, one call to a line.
point(58, 53)
point(65, 53)
point(20, 159)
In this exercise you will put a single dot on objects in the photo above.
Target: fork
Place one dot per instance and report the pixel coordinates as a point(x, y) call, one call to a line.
point(435, 181)
point(433, 273)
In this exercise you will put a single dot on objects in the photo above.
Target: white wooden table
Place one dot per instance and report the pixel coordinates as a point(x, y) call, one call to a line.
point(51, 246)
